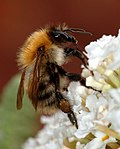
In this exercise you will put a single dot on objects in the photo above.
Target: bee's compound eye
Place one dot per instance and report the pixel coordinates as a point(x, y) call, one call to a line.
point(56, 34)
point(61, 36)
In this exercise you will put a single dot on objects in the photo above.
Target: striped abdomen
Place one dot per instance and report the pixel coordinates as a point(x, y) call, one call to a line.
point(42, 94)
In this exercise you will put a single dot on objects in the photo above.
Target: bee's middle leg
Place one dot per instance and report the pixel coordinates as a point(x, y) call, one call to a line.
point(78, 77)
point(71, 76)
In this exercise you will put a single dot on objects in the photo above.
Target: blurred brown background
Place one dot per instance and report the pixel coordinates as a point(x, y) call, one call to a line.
point(20, 18)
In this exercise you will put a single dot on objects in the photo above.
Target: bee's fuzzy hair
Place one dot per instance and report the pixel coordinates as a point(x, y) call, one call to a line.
point(27, 53)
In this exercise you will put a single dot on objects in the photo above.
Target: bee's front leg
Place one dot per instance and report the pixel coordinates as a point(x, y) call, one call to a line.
point(76, 53)
point(65, 107)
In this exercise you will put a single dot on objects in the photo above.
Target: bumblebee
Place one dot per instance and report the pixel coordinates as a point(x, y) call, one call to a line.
point(40, 60)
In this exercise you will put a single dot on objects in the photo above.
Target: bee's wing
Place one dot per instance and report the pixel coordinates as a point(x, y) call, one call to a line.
point(20, 91)
point(34, 85)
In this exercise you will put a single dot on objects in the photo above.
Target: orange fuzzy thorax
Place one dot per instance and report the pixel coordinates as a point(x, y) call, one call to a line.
point(28, 52)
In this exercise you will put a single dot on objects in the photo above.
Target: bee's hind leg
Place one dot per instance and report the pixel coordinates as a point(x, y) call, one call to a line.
point(62, 103)
point(65, 107)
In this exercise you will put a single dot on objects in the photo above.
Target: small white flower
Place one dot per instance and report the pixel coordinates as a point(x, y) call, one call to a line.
point(115, 94)
point(86, 124)
point(114, 110)
point(114, 118)
point(105, 50)
point(100, 141)
point(104, 61)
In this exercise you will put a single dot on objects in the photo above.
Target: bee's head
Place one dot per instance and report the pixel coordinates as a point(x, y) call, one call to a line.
point(61, 34)
point(58, 35)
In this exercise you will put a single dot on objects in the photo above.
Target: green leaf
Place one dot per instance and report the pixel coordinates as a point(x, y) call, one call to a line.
point(16, 125)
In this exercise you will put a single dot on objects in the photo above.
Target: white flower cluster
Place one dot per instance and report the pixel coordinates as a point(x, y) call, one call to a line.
point(97, 112)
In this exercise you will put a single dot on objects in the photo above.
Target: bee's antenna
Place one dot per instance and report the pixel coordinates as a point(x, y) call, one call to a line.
point(78, 30)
